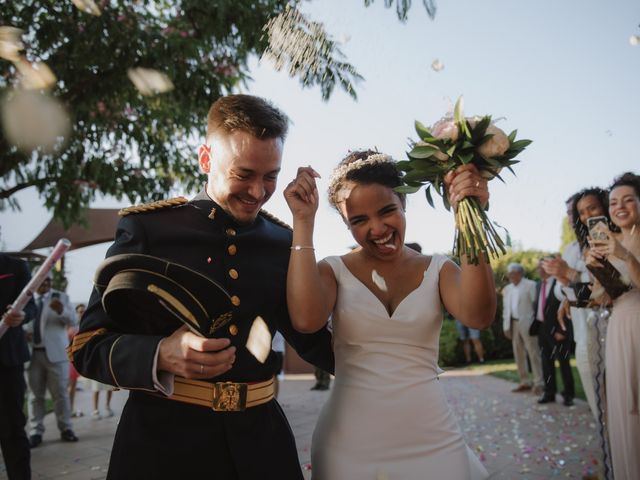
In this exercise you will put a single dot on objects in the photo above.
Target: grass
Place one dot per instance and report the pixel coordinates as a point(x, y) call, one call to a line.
point(506, 369)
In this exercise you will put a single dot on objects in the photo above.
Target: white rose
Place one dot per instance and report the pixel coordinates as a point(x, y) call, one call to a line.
point(496, 145)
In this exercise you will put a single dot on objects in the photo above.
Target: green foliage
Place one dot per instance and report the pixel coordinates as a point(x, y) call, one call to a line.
point(122, 143)
point(451, 353)
point(403, 6)
point(568, 235)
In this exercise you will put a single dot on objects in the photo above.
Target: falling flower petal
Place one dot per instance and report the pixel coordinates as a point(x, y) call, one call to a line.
point(87, 6)
point(10, 43)
point(259, 341)
point(634, 40)
point(35, 76)
point(148, 81)
point(437, 65)
point(34, 120)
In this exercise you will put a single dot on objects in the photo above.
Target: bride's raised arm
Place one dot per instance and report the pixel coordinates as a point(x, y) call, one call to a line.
point(311, 287)
point(468, 292)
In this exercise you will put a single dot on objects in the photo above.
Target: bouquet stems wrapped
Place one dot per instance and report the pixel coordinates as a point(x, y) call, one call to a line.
point(450, 143)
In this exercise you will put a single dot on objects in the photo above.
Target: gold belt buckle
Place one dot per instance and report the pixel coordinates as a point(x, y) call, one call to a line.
point(229, 397)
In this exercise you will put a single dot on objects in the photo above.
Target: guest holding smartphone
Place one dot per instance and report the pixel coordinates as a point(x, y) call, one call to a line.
point(623, 335)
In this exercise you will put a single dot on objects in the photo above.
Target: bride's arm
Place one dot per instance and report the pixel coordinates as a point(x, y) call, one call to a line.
point(468, 292)
point(311, 287)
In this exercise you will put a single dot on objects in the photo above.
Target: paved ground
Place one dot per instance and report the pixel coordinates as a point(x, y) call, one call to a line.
point(513, 435)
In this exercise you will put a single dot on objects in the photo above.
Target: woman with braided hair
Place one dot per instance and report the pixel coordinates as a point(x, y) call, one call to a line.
point(387, 415)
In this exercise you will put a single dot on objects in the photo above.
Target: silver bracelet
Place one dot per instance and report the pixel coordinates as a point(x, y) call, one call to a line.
point(301, 247)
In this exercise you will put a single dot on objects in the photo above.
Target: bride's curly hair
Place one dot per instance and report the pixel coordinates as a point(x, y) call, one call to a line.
point(383, 172)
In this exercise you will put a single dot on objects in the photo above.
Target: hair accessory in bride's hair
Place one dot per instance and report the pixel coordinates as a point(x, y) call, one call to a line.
point(342, 171)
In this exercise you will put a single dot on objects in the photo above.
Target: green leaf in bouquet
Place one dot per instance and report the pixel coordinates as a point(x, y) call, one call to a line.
point(450, 151)
point(478, 133)
point(519, 145)
point(416, 175)
point(494, 162)
point(403, 165)
point(423, 151)
point(406, 189)
point(466, 158)
point(427, 192)
point(422, 131)
point(445, 201)
point(512, 136)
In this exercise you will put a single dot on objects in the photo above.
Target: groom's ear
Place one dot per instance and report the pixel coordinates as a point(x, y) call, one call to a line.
point(204, 158)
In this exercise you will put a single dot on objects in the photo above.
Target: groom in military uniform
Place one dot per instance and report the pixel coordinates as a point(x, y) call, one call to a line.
point(202, 406)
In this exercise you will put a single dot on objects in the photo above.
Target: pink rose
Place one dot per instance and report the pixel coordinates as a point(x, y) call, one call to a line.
point(496, 145)
point(445, 129)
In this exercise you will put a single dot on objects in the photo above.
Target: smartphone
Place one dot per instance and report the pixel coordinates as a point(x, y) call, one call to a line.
point(598, 228)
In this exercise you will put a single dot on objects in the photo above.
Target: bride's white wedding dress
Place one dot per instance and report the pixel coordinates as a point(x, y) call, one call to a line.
point(387, 417)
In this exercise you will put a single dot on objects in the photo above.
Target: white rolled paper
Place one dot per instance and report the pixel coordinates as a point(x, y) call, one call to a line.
point(29, 290)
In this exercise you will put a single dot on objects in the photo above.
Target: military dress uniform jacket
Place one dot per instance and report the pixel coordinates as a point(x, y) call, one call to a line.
point(250, 262)
point(14, 276)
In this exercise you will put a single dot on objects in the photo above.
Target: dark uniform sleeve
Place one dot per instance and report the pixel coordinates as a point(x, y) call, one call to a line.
point(101, 350)
point(316, 348)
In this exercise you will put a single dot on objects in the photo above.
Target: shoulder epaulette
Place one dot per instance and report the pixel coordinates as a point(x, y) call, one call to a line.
point(274, 219)
point(149, 207)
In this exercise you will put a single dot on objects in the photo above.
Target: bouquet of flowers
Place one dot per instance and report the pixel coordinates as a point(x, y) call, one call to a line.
point(451, 142)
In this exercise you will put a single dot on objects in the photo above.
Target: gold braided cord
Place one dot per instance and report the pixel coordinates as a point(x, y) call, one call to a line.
point(272, 218)
point(148, 207)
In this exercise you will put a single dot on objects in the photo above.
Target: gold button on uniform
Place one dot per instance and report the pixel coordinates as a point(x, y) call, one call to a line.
point(230, 231)
point(235, 300)
point(233, 273)
point(232, 249)
point(233, 330)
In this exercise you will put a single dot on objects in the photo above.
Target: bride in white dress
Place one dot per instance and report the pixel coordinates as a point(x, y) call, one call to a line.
point(387, 417)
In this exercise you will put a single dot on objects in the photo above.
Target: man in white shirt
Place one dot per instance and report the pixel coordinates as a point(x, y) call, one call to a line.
point(518, 299)
point(49, 366)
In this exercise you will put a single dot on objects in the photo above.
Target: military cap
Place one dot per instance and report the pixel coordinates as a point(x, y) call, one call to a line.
point(150, 295)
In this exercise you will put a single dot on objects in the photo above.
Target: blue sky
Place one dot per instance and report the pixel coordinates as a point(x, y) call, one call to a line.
point(562, 72)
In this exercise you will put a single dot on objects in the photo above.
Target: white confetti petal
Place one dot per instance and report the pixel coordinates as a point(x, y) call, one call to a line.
point(148, 81)
point(634, 40)
point(437, 65)
point(259, 341)
point(378, 280)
